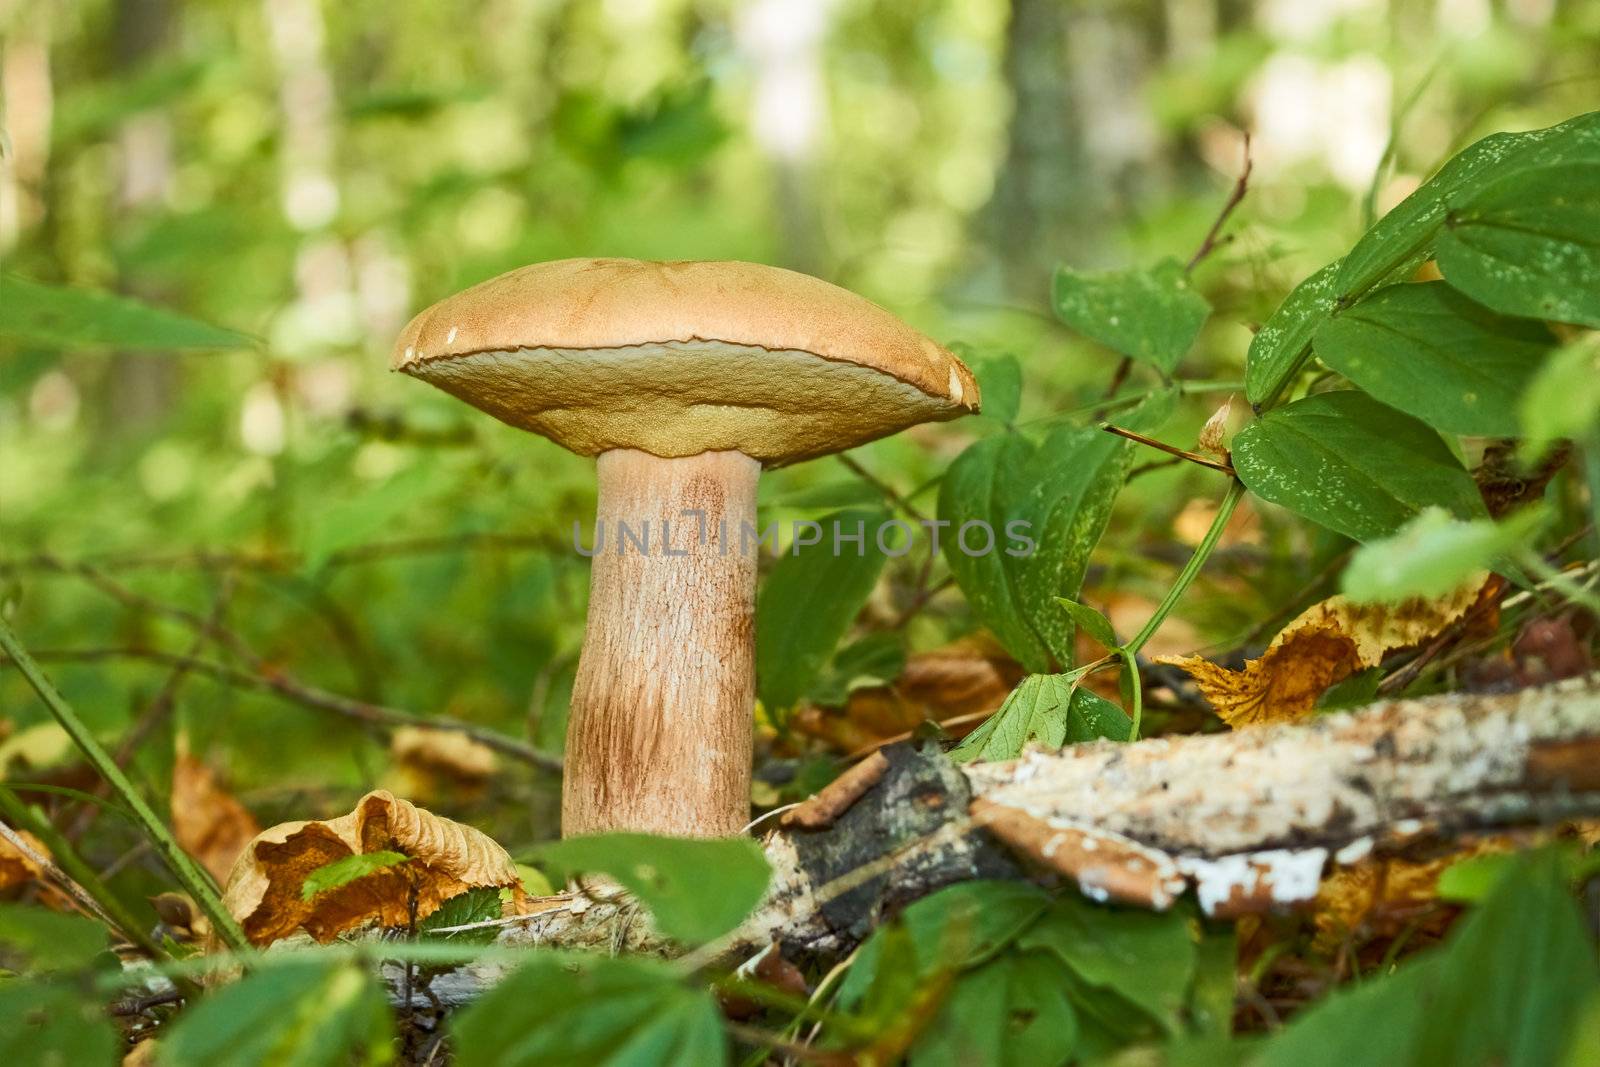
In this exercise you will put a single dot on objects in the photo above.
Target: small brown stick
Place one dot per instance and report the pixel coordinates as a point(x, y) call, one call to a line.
point(1171, 450)
point(821, 809)
point(1240, 187)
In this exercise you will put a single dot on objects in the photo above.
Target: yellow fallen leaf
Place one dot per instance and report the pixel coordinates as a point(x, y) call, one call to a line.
point(446, 860)
point(1380, 897)
point(1326, 644)
point(208, 822)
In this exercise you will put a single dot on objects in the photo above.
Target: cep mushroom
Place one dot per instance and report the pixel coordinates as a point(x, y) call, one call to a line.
point(684, 380)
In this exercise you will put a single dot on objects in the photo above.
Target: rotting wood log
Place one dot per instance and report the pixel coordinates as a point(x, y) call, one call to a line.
point(1250, 820)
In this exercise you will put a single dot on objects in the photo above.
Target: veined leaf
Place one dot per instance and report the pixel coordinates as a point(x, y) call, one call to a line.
point(1050, 709)
point(1152, 315)
point(1529, 243)
point(608, 1012)
point(1013, 1011)
point(478, 905)
point(1406, 235)
point(1352, 464)
point(310, 1012)
point(957, 927)
point(1091, 622)
point(1430, 352)
point(1146, 958)
point(61, 317)
point(1287, 333)
point(809, 600)
point(1059, 493)
point(696, 889)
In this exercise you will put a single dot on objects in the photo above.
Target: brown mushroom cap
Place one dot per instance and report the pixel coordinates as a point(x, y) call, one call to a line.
point(676, 359)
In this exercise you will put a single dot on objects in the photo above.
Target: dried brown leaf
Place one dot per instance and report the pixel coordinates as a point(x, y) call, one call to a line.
point(446, 859)
point(957, 682)
point(1214, 435)
point(1382, 896)
point(208, 822)
point(1326, 644)
point(17, 868)
point(430, 762)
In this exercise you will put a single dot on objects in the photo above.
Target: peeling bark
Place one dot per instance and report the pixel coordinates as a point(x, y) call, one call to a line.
point(1249, 820)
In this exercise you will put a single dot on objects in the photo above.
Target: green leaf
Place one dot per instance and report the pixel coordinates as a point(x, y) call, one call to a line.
point(309, 1012)
point(60, 317)
point(363, 513)
point(1058, 494)
point(999, 382)
point(474, 906)
point(1147, 958)
point(809, 600)
point(1277, 346)
point(1406, 235)
point(695, 889)
point(1095, 624)
point(1529, 243)
point(1434, 553)
point(1050, 709)
point(1430, 352)
point(1010, 1012)
point(55, 1025)
point(876, 659)
point(343, 871)
point(957, 927)
point(566, 1009)
point(1563, 399)
point(1216, 969)
point(1473, 880)
point(39, 940)
point(1351, 464)
point(1152, 315)
point(1507, 989)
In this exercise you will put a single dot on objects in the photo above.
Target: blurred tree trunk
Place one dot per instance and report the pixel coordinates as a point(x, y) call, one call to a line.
point(1082, 146)
point(141, 386)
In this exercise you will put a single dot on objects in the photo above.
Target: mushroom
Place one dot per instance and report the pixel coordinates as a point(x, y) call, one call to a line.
point(684, 380)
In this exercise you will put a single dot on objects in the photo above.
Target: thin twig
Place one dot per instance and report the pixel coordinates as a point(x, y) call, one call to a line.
point(1240, 187)
point(309, 696)
point(1171, 450)
point(889, 492)
point(271, 560)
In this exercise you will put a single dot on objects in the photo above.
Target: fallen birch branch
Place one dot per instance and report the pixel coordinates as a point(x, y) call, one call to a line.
point(1250, 820)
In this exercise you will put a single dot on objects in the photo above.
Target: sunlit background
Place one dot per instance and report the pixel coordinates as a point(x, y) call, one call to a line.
point(312, 173)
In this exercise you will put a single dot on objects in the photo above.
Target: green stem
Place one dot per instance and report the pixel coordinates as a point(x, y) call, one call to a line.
point(194, 881)
point(1202, 552)
point(1130, 667)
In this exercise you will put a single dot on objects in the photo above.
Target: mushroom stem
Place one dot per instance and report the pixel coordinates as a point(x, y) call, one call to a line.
point(659, 738)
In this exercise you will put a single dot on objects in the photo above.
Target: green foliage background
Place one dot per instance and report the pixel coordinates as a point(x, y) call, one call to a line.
point(216, 216)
